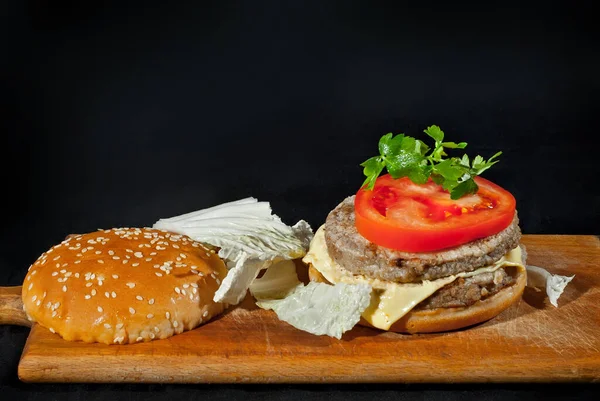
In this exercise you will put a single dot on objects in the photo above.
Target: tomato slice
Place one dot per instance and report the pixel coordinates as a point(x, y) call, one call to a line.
point(401, 215)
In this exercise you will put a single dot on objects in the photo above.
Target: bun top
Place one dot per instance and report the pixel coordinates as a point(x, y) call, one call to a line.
point(123, 285)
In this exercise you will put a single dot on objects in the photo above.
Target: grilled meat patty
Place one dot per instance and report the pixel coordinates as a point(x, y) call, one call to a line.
point(466, 291)
point(360, 256)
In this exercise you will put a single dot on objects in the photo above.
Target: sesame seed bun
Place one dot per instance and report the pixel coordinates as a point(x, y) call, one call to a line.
point(446, 319)
point(123, 285)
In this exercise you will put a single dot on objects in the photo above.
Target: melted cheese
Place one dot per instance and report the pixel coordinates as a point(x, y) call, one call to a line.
point(389, 300)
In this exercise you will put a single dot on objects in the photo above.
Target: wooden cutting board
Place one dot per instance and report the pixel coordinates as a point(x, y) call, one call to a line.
point(532, 341)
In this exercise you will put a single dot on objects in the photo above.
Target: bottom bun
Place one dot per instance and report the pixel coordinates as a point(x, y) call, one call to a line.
point(446, 319)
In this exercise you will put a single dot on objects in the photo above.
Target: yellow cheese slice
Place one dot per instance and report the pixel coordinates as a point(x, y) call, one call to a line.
point(389, 300)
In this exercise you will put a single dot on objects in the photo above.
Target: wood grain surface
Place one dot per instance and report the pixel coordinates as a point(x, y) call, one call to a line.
point(532, 342)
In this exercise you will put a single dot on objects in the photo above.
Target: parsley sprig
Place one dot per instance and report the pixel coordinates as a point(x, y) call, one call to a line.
point(405, 156)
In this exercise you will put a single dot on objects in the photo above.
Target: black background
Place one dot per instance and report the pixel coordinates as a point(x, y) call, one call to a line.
point(117, 114)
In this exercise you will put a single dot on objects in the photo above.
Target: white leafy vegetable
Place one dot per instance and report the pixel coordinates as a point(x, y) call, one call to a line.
point(250, 238)
point(322, 309)
point(317, 308)
point(554, 284)
point(278, 281)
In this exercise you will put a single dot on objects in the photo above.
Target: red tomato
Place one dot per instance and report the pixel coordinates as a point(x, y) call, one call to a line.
point(402, 215)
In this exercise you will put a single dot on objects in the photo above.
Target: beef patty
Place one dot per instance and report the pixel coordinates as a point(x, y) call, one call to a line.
point(466, 291)
point(360, 256)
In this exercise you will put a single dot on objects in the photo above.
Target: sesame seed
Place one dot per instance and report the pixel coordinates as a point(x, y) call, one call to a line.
point(138, 255)
point(205, 314)
point(33, 298)
point(111, 252)
point(52, 330)
point(98, 252)
point(186, 285)
point(194, 285)
point(139, 339)
point(158, 274)
point(149, 315)
point(183, 292)
point(56, 258)
point(113, 294)
point(175, 323)
point(64, 288)
point(156, 329)
point(115, 276)
point(100, 309)
point(89, 284)
point(195, 290)
point(54, 274)
point(100, 282)
point(116, 257)
point(125, 261)
point(130, 285)
point(94, 292)
point(151, 301)
point(133, 264)
point(131, 310)
point(183, 255)
point(100, 261)
point(119, 326)
point(152, 336)
point(177, 290)
point(76, 275)
point(194, 267)
point(54, 313)
point(152, 253)
point(107, 294)
point(87, 296)
point(139, 298)
point(168, 315)
point(63, 271)
point(38, 303)
point(175, 246)
point(148, 259)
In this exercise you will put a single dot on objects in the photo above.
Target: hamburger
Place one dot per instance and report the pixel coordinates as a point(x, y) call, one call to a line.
point(124, 285)
point(439, 246)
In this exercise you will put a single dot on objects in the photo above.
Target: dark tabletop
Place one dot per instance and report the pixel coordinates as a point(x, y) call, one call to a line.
point(117, 114)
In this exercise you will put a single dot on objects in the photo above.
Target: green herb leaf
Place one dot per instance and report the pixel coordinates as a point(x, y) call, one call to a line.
point(405, 156)
point(466, 187)
point(453, 145)
point(435, 132)
point(402, 163)
point(372, 169)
